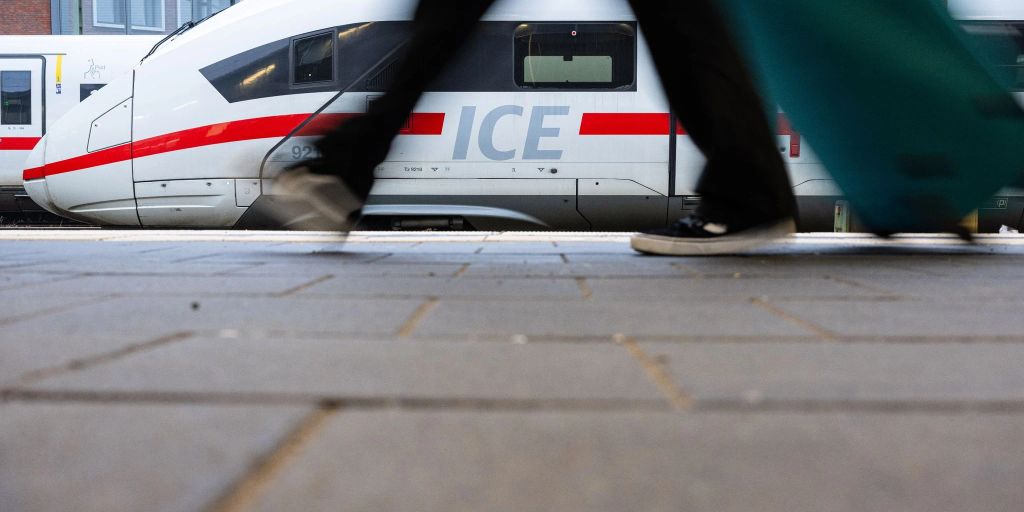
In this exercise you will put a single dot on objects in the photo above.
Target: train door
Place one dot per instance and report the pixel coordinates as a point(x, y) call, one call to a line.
point(21, 113)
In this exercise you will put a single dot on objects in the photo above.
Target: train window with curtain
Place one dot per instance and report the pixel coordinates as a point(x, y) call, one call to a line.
point(313, 59)
point(580, 56)
point(16, 97)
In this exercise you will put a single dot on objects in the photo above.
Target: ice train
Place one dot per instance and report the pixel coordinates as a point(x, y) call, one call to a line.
point(41, 79)
point(553, 117)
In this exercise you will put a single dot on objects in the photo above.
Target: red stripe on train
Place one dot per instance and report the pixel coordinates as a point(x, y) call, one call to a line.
point(95, 159)
point(35, 173)
point(18, 143)
point(624, 124)
point(658, 124)
point(222, 133)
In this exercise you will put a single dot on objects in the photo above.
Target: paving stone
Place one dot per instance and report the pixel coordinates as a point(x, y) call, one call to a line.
point(840, 372)
point(618, 247)
point(15, 266)
point(445, 248)
point(374, 369)
point(28, 347)
point(491, 270)
point(150, 316)
point(288, 254)
point(103, 457)
point(592, 462)
point(988, 266)
point(154, 286)
point(335, 339)
point(25, 280)
point(359, 269)
point(914, 318)
point(617, 256)
point(562, 248)
point(90, 252)
point(17, 308)
point(447, 287)
point(136, 267)
point(967, 288)
point(687, 288)
point(602, 318)
point(789, 266)
point(448, 258)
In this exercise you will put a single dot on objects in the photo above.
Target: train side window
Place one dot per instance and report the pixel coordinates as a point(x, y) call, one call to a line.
point(86, 90)
point(583, 56)
point(313, 59)
point(16, 97)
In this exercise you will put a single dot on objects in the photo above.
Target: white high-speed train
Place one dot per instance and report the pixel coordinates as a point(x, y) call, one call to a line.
point(553, 117)
point(41, 79)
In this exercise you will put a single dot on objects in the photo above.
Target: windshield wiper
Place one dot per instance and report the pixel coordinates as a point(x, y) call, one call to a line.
point(185, 27)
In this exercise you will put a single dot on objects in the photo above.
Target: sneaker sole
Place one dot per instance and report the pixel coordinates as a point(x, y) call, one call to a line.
point(728, 244)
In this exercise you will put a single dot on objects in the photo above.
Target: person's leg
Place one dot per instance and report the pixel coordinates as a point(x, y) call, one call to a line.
point(355, 148)
point(328, 193)
point(745, 182)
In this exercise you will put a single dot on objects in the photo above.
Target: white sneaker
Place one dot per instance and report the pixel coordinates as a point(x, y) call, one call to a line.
point(695, 235)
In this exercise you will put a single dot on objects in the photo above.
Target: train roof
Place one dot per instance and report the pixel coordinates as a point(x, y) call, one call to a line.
point(43, 45)
point(273, 19)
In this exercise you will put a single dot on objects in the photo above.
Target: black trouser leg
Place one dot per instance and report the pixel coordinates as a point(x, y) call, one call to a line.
point(713, 94)
point(440, 29)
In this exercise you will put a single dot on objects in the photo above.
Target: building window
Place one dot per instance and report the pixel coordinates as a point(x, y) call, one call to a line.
point(195, 10)
point(313, 58)
point(16, 97)
point(575, 56)
point(145, 14)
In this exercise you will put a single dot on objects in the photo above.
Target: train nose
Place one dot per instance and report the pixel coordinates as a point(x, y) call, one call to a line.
point(83, 171)
point(35, 184)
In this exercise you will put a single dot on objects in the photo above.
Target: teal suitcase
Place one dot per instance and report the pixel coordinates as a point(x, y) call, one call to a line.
point(902, 108)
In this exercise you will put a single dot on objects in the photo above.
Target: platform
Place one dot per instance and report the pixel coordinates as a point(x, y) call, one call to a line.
point(231, 371)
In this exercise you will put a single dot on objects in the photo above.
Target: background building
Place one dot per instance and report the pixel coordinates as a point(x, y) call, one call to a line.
point(25, 17)
point(150, 17)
